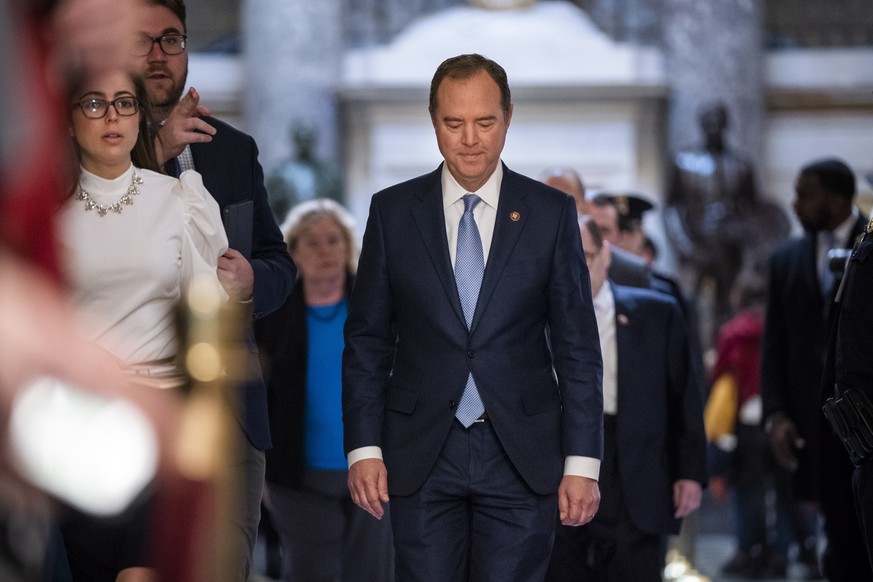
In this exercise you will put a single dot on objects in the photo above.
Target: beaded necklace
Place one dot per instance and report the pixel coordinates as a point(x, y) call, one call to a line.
point(117, 207)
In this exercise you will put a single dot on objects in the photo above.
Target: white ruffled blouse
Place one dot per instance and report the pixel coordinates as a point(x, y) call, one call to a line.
point(127, 271)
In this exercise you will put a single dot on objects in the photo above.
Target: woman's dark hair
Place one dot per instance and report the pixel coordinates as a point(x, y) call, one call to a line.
point(143, 153)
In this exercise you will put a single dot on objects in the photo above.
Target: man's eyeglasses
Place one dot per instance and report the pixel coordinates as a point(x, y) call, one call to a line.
point(96, 108)
point(171, 44)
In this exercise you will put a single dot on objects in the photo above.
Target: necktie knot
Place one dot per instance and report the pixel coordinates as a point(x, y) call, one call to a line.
point(470, 202)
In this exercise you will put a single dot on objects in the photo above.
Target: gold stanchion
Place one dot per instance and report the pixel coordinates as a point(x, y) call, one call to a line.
point(679, 569)
point(213, 355)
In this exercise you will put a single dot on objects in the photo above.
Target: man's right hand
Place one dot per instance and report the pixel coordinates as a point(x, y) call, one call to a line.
point(784, 440)
point(368, 484)
point(183, 126)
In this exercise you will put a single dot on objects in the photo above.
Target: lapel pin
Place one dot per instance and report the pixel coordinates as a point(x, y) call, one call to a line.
point(514, 216)
point(622, 319)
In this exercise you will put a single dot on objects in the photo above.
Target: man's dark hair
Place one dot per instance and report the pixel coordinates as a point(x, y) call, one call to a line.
point(834, 175)
point(601, 200)
point(177, 7)
point(464, 67)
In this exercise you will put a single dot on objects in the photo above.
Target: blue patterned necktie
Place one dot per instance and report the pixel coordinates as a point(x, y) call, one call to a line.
point(469, 268)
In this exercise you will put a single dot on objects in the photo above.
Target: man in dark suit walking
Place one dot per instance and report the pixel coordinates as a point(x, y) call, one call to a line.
point(472, 364)
point(228, 161)
point(654, 458)
point(624, 267)
point(800, 295)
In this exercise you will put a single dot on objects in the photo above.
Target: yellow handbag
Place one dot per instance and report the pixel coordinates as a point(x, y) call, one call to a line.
point(720, 412)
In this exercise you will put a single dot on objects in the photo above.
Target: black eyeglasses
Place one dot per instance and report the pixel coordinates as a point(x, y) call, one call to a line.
point(171, 44)
point(96, 108)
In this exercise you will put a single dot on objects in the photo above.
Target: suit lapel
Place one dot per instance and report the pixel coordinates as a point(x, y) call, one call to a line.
point(430, 220)
point(625, 318)
point(512, 214)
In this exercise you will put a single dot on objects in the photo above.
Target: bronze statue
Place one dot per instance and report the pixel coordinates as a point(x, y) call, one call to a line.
point(303, 177)
point(714, 217)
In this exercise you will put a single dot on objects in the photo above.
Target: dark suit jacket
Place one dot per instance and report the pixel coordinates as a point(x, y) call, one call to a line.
point(793, 350)
point(408, 352)
point(853, 366)
point(659, 434)
point(231, 172)
point(628, 269)
point(284, 350)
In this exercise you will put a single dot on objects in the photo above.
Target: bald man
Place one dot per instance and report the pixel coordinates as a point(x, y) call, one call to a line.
point(625, 268)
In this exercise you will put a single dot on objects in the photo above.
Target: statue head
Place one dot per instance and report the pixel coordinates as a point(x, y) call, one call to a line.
point(714, 120)
point(303, 135)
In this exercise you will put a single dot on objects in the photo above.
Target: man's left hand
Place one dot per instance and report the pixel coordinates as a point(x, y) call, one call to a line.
point(578, 500)
point(686, 497)
point(236, 275)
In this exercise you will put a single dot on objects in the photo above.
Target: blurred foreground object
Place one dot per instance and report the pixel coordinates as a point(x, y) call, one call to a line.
point(58, 435)
point(678, 569)
point(199, 501)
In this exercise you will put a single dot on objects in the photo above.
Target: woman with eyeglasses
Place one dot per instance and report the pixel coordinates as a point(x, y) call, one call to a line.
point(132, 239)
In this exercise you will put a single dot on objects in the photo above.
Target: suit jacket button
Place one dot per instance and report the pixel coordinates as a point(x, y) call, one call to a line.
point(452, 405)
point(471, 354)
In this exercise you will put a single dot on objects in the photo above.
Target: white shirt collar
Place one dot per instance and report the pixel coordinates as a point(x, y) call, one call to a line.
point(489, 192)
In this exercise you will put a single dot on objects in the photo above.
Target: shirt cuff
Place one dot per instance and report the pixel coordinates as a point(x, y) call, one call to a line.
point(579, 467)
point(364, 453)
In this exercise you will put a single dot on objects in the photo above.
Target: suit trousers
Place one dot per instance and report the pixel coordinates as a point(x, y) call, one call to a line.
point(610, 548)
point(247, 470)
point(474, 519)
point(325, 537)
point(844, 558)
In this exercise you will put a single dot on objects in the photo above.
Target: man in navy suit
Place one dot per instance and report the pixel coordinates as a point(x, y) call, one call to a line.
point(228, 161)
point(654, 458)
point(800, 297)
point(472, 498)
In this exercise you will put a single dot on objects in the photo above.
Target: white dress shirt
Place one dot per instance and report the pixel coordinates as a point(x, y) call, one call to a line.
point(604, 311)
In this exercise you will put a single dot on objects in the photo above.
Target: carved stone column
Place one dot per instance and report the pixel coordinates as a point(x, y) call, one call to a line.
point(714, 51)
point(292, 53)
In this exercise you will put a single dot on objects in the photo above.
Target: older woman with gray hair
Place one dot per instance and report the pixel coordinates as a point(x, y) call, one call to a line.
point(323, 535)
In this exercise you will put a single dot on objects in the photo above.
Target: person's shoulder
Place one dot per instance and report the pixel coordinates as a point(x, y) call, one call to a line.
point(157, 180)
point(790, 248)
point(647, 298)
point(225, 131)
point(528, 184)
point(223, 125)
point(420, 184)
point(628, 269)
